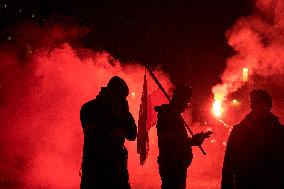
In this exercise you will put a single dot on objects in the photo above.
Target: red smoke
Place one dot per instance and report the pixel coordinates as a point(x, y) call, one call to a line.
point(258, 41)
point(45, 78)
point(44, 81)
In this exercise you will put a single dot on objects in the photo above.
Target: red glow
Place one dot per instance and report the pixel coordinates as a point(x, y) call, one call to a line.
point(44, 80)
point(133, 94)
point(40, 97)
point(217, 108)
point(258, 45)
point(245, 74)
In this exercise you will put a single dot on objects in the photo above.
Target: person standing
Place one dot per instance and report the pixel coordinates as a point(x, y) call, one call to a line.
point(106, 123)
point(175, 153)
point(254, 156)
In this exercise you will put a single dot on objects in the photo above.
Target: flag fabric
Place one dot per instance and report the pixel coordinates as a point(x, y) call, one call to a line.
point(142, 136)
point(147, 115)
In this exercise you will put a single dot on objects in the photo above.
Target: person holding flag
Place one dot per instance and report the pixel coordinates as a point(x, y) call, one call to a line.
point(175, 153)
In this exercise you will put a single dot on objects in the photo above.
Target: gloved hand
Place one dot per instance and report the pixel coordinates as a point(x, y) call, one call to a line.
point(198, 138)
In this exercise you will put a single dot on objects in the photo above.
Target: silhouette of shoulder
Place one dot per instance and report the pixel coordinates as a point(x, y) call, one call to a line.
point(86, 112)
point(238, 129)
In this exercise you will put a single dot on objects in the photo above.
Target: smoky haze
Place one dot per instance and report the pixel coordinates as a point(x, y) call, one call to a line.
point(45, 77)
point(258, 42)
point(44, 82)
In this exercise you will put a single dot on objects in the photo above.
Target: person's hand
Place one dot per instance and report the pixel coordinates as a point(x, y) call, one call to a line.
point(198, 138)
point(120, 107)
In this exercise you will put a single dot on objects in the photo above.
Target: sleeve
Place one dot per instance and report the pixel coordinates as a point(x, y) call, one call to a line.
point(229, 164)
point(131, 128)
point(87, 119)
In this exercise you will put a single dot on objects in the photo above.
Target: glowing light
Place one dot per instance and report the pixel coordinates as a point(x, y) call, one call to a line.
point(224, 143)
point(217, 108)
point(133, 95)
point(245, 74)
point(219, 97)
point(235, 102)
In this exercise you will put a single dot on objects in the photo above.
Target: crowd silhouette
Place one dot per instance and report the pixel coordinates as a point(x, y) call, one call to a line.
point(254, 156)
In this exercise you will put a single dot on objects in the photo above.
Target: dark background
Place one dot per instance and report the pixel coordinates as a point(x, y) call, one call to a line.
point(185, 37)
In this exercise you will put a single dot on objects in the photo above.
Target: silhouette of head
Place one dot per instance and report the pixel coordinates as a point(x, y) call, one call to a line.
point(181, 98)
point(260, 102)
point(118, 87)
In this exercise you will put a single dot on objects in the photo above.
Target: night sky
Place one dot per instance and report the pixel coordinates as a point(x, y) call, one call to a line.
point(185, 38)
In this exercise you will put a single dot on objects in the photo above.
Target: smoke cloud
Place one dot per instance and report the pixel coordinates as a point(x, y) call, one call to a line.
point(258, 41)
point(44, 82)
point(46, 76)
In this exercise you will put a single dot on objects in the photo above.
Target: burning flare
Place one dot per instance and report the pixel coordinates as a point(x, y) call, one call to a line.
point(219, 92)
point(245, 74)
point(217, 108)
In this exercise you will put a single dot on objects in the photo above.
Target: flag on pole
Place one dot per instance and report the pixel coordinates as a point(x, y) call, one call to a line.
point(147, 115)
point(142, 136)
point(151, 96)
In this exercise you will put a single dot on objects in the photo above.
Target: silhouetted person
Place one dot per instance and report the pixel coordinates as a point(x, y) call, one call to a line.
point(254, 155)
point(175, 153)
point(106, 123)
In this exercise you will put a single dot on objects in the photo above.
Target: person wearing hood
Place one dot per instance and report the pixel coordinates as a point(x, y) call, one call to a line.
point(175, 146)
point(106, 123)
point(254, 156)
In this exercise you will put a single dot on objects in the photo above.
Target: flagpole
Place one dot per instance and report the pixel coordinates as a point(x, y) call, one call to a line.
point(158, 83)
point(168, 97)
